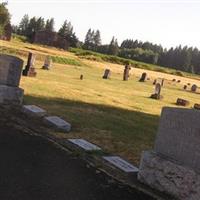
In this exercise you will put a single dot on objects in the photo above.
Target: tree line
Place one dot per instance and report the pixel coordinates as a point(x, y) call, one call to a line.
point(180, 58)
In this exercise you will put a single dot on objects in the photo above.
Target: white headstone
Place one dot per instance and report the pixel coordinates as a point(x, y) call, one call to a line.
point(121, 164)
point(58, 123)
point(87, 146)
point(34, 110)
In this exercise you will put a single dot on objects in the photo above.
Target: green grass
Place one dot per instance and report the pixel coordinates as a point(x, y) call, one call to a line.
point(117, 115)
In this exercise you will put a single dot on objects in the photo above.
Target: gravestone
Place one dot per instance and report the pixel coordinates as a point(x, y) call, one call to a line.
point(182, 102)
point(81, 77)
point(173, 166)
point(58, 123)
point(85, 145)
point(126, 72)
point(154, 82)
point(107, 74)
point(34, 111)
point(197, 106)
point(174, 80)
point(194, 88)
point(29, 68)
point(143, 77)
point(47, 63)
point(178, 81)
point(185, 87)
point(121, 164)
point(157, 92)
point(10, 74)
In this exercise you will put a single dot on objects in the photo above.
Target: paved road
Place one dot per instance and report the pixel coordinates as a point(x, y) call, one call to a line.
point(31, 168)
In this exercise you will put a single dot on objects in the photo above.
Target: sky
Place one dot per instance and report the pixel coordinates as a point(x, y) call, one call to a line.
point(166, 22)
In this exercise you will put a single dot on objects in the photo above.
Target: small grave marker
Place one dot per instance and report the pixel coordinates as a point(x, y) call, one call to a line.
point(182, 102)
point(197, 106)
point(87, 146)
point(121, 164)
point(194, 88)
point(58, 123)
point(143, 77)
point(34, 110)
point(157, 92)
point(185, 87)
point(81, 77)
point(107, 74)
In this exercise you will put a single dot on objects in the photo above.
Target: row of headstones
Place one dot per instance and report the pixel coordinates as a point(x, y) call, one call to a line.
point(61, 125)
point(30, 69)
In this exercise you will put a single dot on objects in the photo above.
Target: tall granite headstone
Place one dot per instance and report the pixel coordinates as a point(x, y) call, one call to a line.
point(47, 63)
point(29, 68)
point(173, 166)
point(157, 92)
point(10, 74)
point(126, 72)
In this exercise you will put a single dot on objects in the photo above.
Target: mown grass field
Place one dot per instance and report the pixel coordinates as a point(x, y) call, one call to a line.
point(117, 115)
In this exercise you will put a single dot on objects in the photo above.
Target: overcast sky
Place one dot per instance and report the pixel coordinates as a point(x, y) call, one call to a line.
point(166, 22)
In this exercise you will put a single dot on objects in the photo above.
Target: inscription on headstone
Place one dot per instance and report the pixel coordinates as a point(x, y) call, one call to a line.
point(87, 146)
point(121, 164)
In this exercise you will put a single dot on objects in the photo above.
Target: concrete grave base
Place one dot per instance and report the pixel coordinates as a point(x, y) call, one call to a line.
point(167, 176)
point(11, 95)
point(34, 111)
point(58, 123)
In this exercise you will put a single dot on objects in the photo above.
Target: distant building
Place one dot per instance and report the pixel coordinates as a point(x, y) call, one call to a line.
point(51, 39)
point(7, 33)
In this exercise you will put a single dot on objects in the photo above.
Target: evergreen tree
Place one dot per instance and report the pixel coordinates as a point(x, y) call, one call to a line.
point(4, 17)
point(23, 25)
point(113, 47)
point(49, 26)
point(97, 38)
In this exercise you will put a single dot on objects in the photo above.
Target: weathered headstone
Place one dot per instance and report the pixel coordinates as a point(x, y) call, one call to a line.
point(85, 145)
point(197, 106)
point(143, 77)
point(185, 87)
point(178, 81)
point(174, 80)
point(121, 164)
point(58, 123)
point(29, 68)
point(10, 74)
point(81, 77)
point(182, 102)
point(126, 72)
point(194, 88)
point(33, 111)
point(47, 63)
point(173, 166)
point(154, 82)
point(107, 74)
point(157, 92)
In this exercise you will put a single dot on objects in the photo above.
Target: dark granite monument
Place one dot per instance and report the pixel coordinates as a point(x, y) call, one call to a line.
point(107, 74)
point(194, 88)
point(143, 77)
point(29, 68)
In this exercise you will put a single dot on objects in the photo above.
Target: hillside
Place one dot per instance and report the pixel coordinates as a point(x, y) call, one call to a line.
point(118, 116)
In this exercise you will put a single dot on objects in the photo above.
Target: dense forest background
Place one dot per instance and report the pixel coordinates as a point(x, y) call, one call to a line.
point(179, 58)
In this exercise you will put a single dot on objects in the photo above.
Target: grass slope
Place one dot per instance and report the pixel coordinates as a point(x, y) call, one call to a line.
point(119, 116)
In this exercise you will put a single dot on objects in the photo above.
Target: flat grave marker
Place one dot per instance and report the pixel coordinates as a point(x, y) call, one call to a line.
point(121, 164)
point(85, 145)
point(58, 123)
point(34, 110)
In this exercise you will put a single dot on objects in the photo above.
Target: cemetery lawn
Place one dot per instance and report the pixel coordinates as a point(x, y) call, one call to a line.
point(117, 115)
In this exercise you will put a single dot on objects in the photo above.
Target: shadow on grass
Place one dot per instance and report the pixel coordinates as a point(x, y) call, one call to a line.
point(118, 130)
